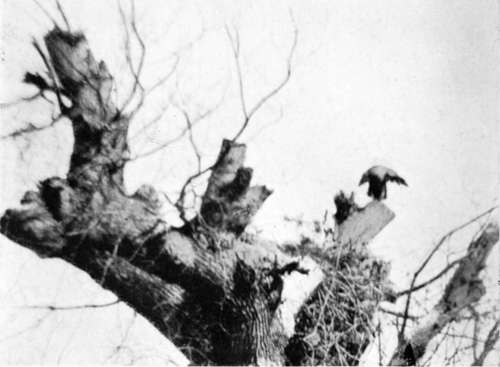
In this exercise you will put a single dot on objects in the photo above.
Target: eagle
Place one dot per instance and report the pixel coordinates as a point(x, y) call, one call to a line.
point(377, 177)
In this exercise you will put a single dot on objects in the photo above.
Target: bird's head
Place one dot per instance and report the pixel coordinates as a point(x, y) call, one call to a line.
point(364, 178)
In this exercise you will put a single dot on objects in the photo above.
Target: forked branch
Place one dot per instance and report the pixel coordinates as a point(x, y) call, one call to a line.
point(248, 113)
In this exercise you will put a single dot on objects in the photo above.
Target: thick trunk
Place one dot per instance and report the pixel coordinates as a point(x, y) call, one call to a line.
point(200, 285)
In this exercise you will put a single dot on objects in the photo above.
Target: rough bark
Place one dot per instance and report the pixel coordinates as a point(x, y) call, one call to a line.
point(200, 285)
point(229, 202)
point(464, 289)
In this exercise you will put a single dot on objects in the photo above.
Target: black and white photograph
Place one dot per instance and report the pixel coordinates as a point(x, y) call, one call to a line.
point(250, 183)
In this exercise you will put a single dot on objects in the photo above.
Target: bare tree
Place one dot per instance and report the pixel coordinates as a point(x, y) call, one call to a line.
point(208, 286)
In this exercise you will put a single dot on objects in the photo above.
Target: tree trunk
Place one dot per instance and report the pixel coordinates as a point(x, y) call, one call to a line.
point(200, 285)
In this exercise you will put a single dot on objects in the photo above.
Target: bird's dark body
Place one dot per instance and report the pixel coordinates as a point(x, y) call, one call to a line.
point(377, 178)
point(377, 188)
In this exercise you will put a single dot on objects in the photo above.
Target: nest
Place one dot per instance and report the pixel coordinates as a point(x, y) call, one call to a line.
point(335, 325)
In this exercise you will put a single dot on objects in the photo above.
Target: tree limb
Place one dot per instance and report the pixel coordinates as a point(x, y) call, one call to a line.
point(429, 257)
point(464, 289)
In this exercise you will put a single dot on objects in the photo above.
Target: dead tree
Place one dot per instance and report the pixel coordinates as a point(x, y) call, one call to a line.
point(203, 285)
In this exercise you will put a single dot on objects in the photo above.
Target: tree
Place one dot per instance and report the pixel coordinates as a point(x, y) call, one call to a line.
point(207, 284)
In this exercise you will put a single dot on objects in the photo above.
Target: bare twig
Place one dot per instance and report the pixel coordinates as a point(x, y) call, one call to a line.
point(141, 61)
point(62, 107)
point(39, 82)
point(191, 140)
point(33, 326)
point(179, 204)
point(489, 344)
point(177, 56)
point(267, 125)
point(398, 314)
point(68, 308)
point(431, 280)
point(63, 15)
point(47, 14)
point(136, 73)
point(31, 128)
point(457, 345)
point(249, 113)
point(235, 46)
point(443, 336)
point(110, 261)
point(194, 121)
point(164, 78)
point(21, 100)
point(120, 345)
point(150, 123)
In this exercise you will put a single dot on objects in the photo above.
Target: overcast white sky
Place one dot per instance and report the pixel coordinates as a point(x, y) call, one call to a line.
point(413, 85)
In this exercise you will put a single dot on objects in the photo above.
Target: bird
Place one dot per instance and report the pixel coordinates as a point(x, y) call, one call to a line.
point(377, 177)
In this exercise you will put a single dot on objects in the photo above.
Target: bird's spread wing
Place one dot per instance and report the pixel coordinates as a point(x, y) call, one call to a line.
point(364, 178)
point(394, 177)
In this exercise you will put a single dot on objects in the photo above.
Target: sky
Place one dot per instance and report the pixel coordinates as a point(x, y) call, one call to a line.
point(412, 85)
